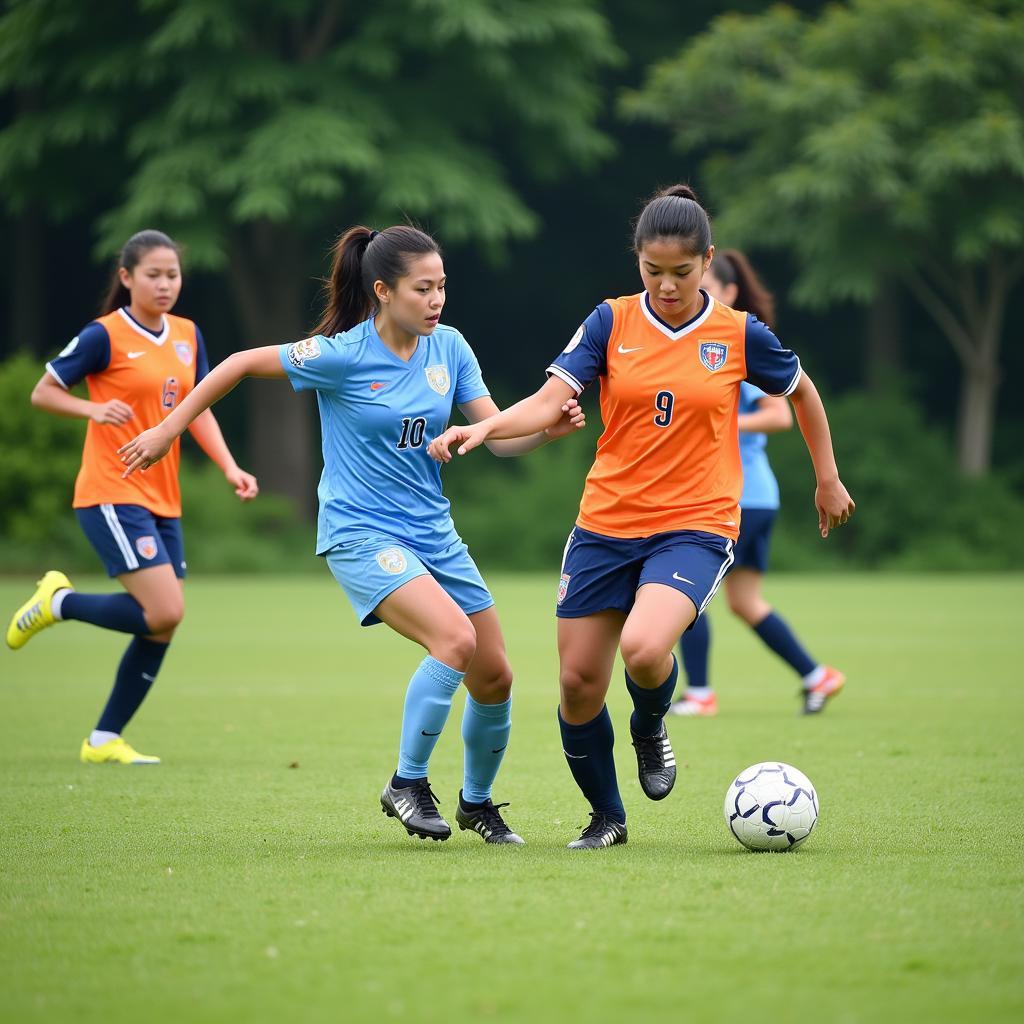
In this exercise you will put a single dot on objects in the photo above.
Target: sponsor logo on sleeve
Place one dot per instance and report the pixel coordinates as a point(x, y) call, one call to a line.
point(574, 341)
point(68, 348)
point(301, 352)
point(183, 350)
point(438, 379)
point(392, 561)
point(146, 547)
point(713, 354)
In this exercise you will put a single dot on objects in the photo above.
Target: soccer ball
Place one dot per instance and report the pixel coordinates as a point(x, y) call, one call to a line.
point(771, 806)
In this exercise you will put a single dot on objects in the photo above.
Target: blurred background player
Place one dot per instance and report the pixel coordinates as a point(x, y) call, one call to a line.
point(386, 374)
point(660, 511)
point(138, 362)
point(732, 280)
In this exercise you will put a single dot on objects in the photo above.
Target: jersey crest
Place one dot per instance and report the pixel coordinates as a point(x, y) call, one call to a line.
point(183, 350)
point(438, 379)
point(713, 354)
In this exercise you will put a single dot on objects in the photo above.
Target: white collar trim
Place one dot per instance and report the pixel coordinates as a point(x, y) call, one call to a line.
point(676, 332)
point(157, 339)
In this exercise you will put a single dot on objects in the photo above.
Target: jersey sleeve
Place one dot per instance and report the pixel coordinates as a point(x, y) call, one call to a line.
point(86, 353)
point(585, 358)
point(469, 380)
point(772, 368)
point(314, 364)
point(202, 359)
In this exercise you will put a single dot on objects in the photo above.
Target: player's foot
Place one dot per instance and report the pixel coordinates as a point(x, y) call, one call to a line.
point(416, 808)
point(692, 706)
point(815, 697)
point(486, 820)
point(601, 832)
point(37, 612)
point(655, 763)
point(114, 751)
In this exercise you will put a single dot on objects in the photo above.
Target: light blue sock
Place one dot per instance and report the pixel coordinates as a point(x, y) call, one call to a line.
point(485, 732)
point(427, 703)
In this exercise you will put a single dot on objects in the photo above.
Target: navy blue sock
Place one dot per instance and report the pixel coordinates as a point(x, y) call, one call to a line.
point(111, 611)
point(135, 675)
point(401, 783)
point(772, 629)
point(588, 751)
point(694, 645)
point(650, 706)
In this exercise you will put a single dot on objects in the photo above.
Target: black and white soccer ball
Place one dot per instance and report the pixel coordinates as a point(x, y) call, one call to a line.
point(771, 806)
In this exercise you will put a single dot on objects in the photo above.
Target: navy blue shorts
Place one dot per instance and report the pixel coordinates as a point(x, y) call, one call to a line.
point(130, 537)
point(601, 573)
point(755, 539)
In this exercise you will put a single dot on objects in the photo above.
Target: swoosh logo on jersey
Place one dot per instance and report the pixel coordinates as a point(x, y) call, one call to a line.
point(623, 351)
point(682, 579)
point(377, 385)
point(135, 355)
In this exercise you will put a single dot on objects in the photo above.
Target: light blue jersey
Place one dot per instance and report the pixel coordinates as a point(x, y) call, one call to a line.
point(760, 488)
point(378, 413)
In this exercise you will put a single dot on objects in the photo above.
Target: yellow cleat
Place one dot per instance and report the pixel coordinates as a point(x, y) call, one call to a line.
point(37, 612)
point(114, 751)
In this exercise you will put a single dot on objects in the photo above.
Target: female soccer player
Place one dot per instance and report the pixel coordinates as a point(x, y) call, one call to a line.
point(138, 362)
point(386, 374)
point(732, 281)
point(659, 513)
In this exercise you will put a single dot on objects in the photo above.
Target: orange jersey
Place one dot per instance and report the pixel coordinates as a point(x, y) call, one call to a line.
point(120, 359)
point(669, 456)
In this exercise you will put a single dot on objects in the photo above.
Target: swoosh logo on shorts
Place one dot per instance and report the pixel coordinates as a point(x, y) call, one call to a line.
point(683, 579)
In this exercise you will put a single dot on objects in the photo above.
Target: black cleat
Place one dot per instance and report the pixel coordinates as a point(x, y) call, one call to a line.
point(601, 832)
point(487, 821)
point(416, 808)
point(655, 763)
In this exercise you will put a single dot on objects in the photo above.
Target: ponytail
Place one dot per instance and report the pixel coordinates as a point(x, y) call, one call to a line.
point(131, 254)
point(359, 258)
point(730, 266)
point(674, 213)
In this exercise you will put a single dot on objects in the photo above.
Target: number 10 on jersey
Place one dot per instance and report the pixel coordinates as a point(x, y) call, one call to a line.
point(412, 433)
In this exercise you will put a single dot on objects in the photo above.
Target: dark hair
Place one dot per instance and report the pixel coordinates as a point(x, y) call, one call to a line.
point(674, 213)
point(360, 257)
point(730, 266)
point(132, 252)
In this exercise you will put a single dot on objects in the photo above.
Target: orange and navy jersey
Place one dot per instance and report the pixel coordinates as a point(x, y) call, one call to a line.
point(669, 457)
point(152, 371)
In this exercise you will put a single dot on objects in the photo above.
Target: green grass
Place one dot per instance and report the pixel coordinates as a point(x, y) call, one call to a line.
point(252, 876)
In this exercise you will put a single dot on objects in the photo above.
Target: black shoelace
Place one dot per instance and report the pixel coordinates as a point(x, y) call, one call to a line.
point(649, 752)
point(492, 819)
point(598, 824)
point(425, 799)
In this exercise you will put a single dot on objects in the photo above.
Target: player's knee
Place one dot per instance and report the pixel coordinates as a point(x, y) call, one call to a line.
point(165, 617)
point(457, 647)
point(497, 688)
point(577, 687)
point(750, 610)
point(641, 656)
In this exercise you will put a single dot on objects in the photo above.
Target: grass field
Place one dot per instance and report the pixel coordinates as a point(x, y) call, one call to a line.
point(252, 876)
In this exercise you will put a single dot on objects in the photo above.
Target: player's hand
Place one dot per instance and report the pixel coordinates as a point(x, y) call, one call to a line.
point(244, 483)
point(142, 451)
point(467, 438)
point(834, 504)
point(115, 412)
point(573, 418)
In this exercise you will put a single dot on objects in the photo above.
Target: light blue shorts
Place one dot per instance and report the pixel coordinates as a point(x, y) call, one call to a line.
point(373, 565)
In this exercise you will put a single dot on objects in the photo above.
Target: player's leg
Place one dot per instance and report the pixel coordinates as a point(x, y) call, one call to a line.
point(698, 700)
point(421, 611)
point(680, 575)
point(486, 727)
point(586, 654)
point(744, 593)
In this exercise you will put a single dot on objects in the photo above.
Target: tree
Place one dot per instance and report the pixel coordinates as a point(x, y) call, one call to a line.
point(254, 132)
point(880, 141)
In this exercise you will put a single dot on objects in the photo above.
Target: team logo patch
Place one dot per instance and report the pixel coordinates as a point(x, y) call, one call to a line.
point(183, 350)
point(574, 341)
point(392, 561)
point(146, 547)
point(563, 587)
point(438, 379)
point(303, 351)
point(713, 354)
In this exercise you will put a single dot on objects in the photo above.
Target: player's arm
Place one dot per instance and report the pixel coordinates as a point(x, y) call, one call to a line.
point(152, 445)
point(573, 418)
point(833, 501)
point(49, 396)
point(538, 412)
point(772, 415)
